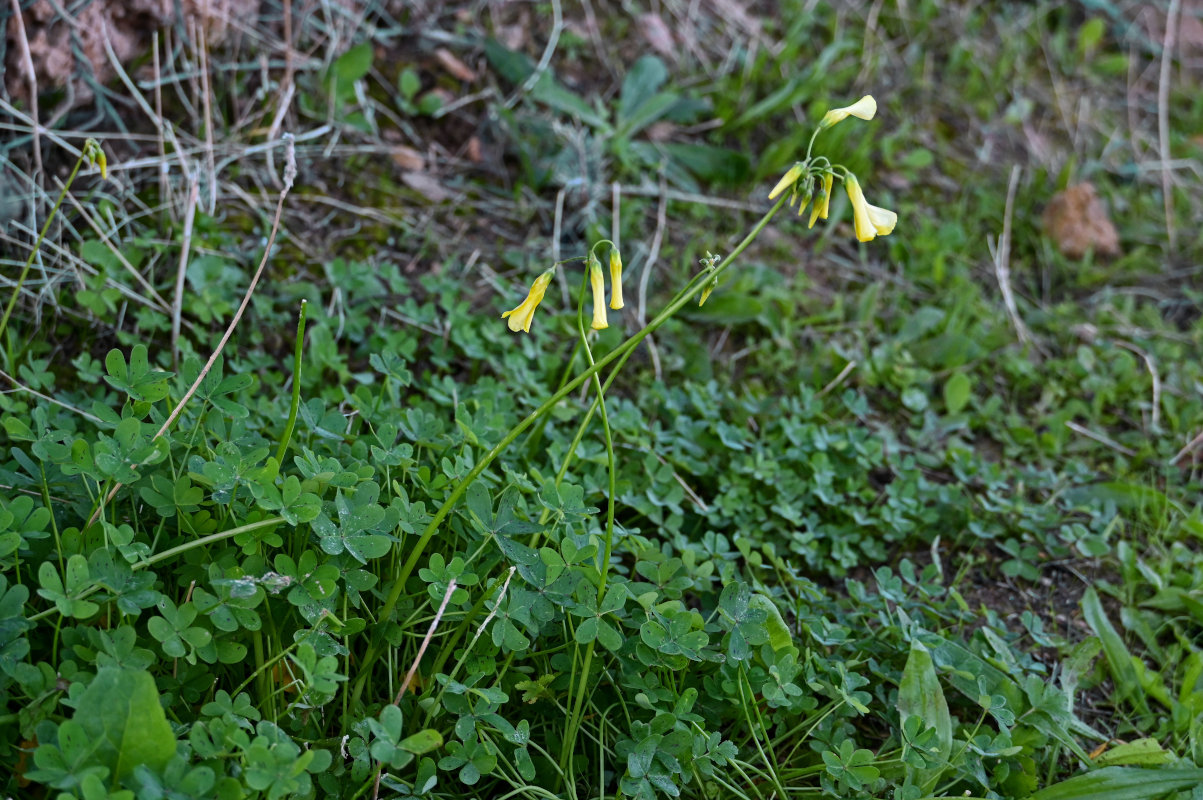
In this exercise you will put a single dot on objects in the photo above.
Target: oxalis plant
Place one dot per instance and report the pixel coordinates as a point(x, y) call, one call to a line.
point(275, 684)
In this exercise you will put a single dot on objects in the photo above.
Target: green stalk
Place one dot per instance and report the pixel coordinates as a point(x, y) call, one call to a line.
point(623, 349)
point(212, 538)
point(574, 719)
point(12, 301)
point(296, 386)
point(536, 436)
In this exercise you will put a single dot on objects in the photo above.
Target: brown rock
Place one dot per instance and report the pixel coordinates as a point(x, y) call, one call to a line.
point(1077, 221)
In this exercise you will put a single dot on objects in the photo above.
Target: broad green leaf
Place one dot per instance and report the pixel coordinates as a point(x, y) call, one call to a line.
point(1121, 661)
point(353, 64)
point(1138, 753)
point(643, 80)
point(779, 635)
point(920, 695)
point(957, 390)
point(120, 710)
point(1122, 783)
point(424, 741)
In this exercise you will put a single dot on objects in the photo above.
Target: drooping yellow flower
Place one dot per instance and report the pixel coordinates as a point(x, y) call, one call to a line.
point(521, 316)
point(823, 201)
point(598, 283)
point(870, 220)
point(863, 108)
point(787, 180)
point(710, 287)
point(615, 279)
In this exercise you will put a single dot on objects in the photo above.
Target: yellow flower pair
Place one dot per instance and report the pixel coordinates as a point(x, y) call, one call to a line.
point(520, 316)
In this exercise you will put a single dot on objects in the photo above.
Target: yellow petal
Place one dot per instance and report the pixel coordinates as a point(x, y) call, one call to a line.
point(520, 316)
point(864, 108)
point(787, 180)
point(615, 279)
point(883, 219)
point(598, 284)
point(865, 230)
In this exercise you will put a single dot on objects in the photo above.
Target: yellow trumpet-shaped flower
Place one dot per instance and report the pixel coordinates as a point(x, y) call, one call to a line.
point(521, 316)
point(823, 201)
point(863, 108)
point(787, 180)
point(870, 220)
point(615, 279)
point(598, 283)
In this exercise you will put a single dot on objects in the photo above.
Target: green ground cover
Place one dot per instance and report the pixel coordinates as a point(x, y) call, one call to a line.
point(857, 526)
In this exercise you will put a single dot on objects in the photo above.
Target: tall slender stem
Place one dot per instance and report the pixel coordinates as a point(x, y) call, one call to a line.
point(37, 245)
point(419, 547)
point(574, 719)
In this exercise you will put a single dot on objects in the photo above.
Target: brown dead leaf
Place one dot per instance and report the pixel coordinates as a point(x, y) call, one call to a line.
point(456, 68)
point(1077, 221)
point(54, 42)
point(407, 158)
point(475, 154)
point(658, 35)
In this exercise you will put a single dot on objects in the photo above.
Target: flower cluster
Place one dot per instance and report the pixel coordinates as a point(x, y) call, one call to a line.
point(801, 179)
point(809, 183)
point(521, 315)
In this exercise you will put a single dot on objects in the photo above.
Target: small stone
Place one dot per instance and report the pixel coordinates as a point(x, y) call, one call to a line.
point(1077, 221)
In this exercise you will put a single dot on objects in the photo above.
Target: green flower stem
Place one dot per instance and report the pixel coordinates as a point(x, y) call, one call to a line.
point(419, 547)
point(296, 386)
point(12, 301)
point(204, 541)
point(574, 720)
point(260, 670)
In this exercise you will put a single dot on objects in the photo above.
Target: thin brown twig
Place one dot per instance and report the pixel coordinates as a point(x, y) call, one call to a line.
point(207, 105)
point(652, 256)
point(413, 667)
point(290, 174)
point(1191, 445)
point(20, 387)
point(1002, 261)
point(1100, 438)
point(32, 77)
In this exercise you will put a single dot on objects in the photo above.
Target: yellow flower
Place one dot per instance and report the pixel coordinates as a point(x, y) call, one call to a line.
point(521, 316)
point(863, 108)
point(599, 294)
point(710, 287)
point(787, 180)
point(615, 279)
point(823, 202)
point(870, 220)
